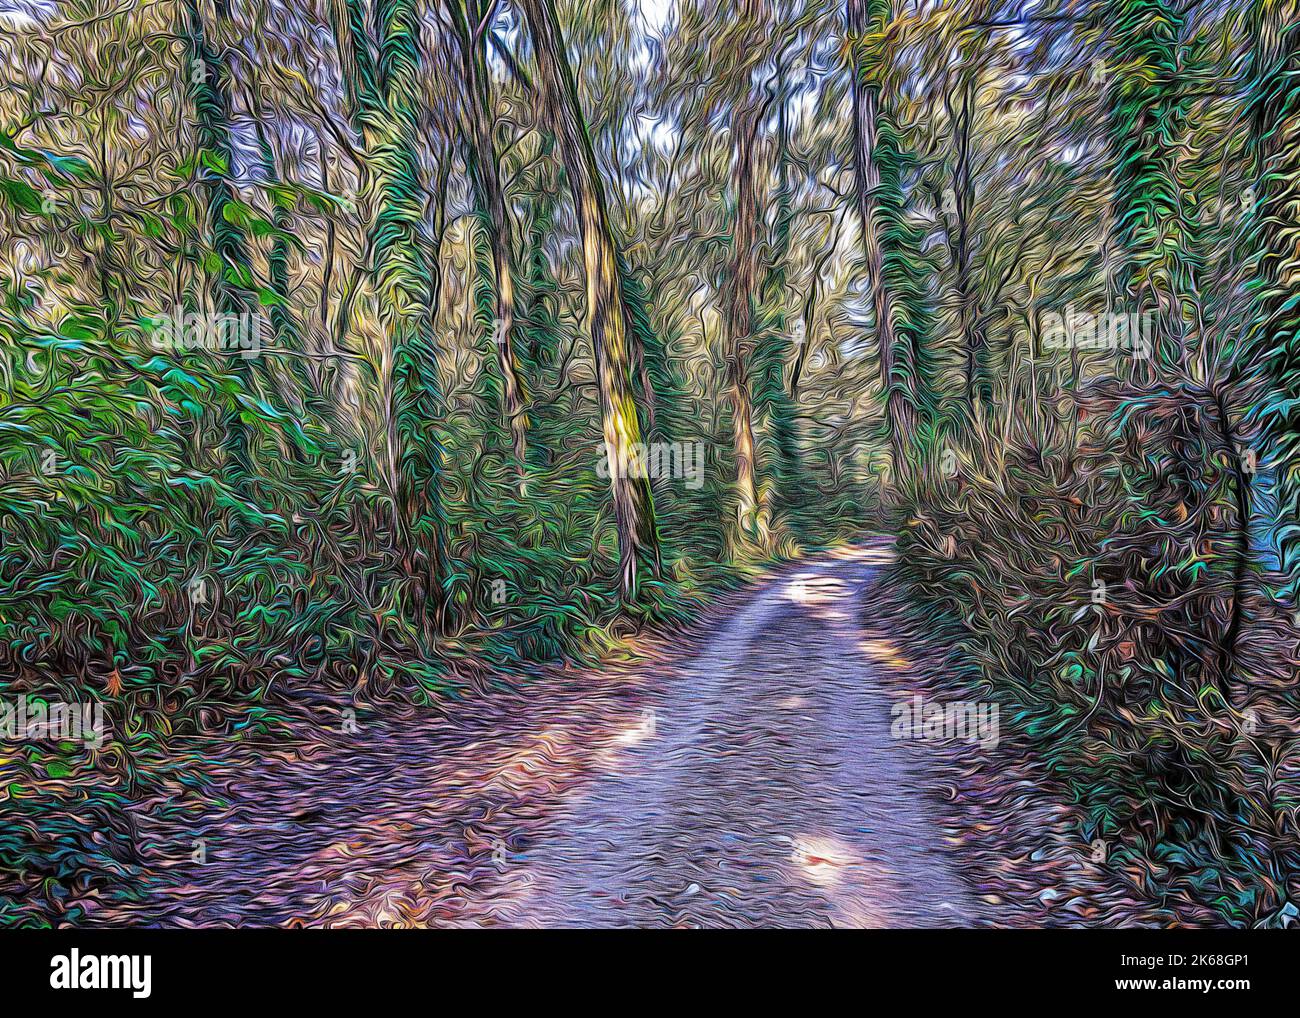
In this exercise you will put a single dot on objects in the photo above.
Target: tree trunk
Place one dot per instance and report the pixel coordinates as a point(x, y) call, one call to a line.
point(386, 103)
point(1276, 121)
point(1152, 228)
point(741, 294)
point(231, 283)
point(978, 377)
point(490, 207)
point(752, 524)
point(862, 17)
point(285, 327)
point(780, 487)
point(633, 501)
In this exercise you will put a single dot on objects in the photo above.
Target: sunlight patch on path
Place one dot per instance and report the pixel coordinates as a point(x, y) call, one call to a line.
point(769, 793)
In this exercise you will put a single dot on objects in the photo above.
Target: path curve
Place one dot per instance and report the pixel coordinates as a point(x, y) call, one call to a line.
point(760, 787)
point(742, 774)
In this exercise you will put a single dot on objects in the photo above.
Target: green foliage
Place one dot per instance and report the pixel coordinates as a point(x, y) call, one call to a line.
point(1152, 225)
point(1275, 333)
point(204, 542)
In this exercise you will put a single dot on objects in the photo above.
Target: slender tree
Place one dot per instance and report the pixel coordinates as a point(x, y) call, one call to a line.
point(231, 279)
point(386, 94)
point(889, 243)
point(1153, 230)
point(471, 24)
point(1275, 121)
point(633, 501)
point(960, 203)
point(780, 484)
point(740, 292)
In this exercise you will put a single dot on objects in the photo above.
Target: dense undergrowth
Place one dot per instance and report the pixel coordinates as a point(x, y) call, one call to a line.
point(491, 250)
point(1095, 588)
point(139, 576)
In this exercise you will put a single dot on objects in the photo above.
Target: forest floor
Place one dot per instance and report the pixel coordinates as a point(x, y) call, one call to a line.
point(741, 773)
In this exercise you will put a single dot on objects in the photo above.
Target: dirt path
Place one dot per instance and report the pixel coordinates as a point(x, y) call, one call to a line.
point(761, 788)
point(744, 778)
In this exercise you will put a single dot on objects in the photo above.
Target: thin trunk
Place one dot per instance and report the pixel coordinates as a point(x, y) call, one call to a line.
point(1241, 543)
point(779, 484)
point(284, 323)
point(1276, 235)
point(1153, 231)
point(317, 369)
point(739, 335)
point(978, 377)
point(633, 501)
point(863, 17)
point(739, 297)
point(490, 207)
point(108, 266)
point(231, 283)
point(809, 317)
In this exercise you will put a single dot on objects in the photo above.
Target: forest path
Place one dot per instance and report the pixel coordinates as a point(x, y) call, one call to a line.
point(760, 787)
point(743, 775)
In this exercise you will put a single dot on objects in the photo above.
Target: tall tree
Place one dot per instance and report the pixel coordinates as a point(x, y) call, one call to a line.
point(740, 294)
point(1152, 226)
point(1275, 121)
point(386, 93)
point(231, 279)
point(897, 299)
point(634, 511)
point(472, 23)
point(975, 347)
point(779, 485)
